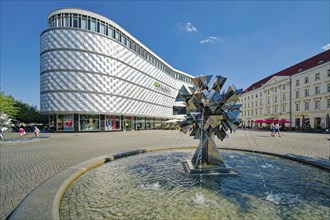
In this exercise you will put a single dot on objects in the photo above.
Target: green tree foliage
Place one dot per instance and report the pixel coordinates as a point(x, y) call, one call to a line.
point(21, 111)
point(7, 105)
point(29, 113)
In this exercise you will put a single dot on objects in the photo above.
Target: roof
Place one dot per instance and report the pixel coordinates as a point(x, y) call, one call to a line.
point(295, 69)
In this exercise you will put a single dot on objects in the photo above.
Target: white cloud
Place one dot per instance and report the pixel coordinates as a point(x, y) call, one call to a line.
point(326, 47)
point(210, 40)
point(189, 28)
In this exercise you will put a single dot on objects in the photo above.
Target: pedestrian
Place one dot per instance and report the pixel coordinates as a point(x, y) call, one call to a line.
point(272, 129)
point(276, 129)
point(22, 131)
point(138, 127)
point(36, 131)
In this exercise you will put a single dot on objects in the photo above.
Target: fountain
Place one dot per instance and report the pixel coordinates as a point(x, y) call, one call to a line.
point(208, 113)
point(153, 185)
point(7, 124)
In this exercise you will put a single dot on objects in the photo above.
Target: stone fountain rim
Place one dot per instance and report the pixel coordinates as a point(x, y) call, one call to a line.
point(44, 201)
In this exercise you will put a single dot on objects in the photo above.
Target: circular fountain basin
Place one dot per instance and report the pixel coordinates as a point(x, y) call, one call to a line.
point(155, 186)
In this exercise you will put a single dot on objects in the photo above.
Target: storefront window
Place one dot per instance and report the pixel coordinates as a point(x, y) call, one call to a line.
point(158, 124)
point(89, 122)
point(65, 122)
point(128, 123)
point(51, 123)
point(150, 123)
point(112, 123)
point(140, 122)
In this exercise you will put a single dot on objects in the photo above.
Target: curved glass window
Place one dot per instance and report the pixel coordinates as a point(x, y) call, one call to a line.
point(65, 122)
point(75, 21)
point(112, 123)
point(89, 122)
point(93, 25)
point(66, 20)
point(102, 28)
point(84, 23)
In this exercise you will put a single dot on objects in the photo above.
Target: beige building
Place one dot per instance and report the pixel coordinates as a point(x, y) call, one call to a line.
point(298, 96)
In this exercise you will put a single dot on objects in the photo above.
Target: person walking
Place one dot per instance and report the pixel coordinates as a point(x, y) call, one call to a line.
point(272, 129)
point(276, 129)
point(36, 131)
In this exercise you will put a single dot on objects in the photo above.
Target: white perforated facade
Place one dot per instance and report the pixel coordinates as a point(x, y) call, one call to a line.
point(91, 66)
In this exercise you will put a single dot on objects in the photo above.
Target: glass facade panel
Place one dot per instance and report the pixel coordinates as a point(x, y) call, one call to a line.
point(66, 20)
point(102, 28)
point(51, 123)
point(140, 122)
point(112, 123)
point(65, 122)
point(128, 123)
point(75, 21)
point(58, 21)
point(84, 23)
point(150, 123)
point(93, 25)
point(89, 122)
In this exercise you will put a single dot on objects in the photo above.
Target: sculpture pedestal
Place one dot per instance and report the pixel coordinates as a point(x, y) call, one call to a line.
point(210, 170)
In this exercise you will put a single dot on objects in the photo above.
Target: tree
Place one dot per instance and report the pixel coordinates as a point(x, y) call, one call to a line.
point(7, 105)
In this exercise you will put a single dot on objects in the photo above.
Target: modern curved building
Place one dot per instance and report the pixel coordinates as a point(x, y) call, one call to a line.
point(95, 76)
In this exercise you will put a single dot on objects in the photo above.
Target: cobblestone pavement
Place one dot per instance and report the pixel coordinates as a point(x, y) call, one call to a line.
point(24, 165)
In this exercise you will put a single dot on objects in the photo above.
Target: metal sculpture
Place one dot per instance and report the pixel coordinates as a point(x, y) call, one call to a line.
point(208, 113)
point(4, 124)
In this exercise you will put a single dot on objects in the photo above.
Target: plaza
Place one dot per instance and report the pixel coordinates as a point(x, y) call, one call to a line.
point(25, 165)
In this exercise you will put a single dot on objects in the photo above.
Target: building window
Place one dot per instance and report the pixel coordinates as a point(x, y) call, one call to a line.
point(297, 94)
point(102, 28)
point(84, 23)
point(256, 111)
point(275, 89)
point(329, 87)
point(283, 87)
point(317, 76)
point(275, 99)
point(256, 96)
point(297, 107)
point(75, 21)
point(306, 105)
point(275, 109)
point(328, 103)
point(65, 122)
point(268, 110)
point(260, 94)
point(260, 102)
point(297, 82)
point(317, 90)
point(252, 104)
point(268, 101)
point(317, 104)
point(93, 25)
point(306, 92)
point(284, 97)
point(284, 108)
point(328, 72)
point(112, 123)
point(251, 96)
point(66, 20)
point(306, 79)
point(89, 122)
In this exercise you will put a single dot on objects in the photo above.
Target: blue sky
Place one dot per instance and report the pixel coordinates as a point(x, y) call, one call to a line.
point(244, 41)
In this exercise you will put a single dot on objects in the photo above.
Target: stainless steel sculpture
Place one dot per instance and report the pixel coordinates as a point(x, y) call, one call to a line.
point(208, 113)
point(4, 124)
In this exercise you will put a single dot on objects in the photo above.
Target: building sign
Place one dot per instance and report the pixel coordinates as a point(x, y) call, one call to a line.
point(161, 87)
